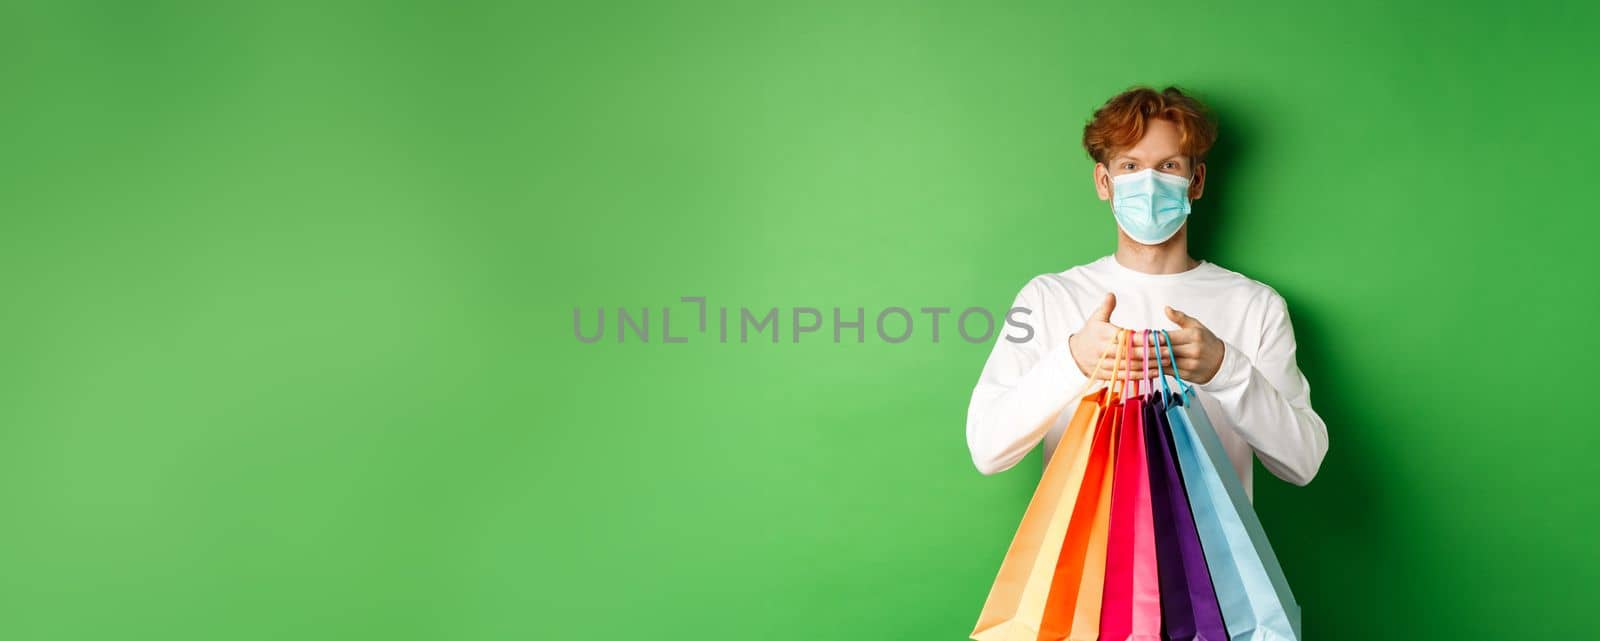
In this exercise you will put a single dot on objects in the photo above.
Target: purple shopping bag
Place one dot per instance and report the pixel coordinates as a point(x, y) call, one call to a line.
point(1189, 608)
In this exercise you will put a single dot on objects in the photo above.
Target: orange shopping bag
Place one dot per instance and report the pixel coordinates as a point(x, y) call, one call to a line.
point(1072, 608)
point(1016, 602)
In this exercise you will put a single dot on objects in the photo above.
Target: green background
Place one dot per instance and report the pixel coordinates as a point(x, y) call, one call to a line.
point(288, 289)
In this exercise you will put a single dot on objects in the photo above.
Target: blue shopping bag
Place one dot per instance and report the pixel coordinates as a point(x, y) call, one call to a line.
point(1255, 598)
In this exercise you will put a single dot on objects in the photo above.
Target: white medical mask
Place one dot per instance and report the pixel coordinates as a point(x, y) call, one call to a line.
point(1150, 205)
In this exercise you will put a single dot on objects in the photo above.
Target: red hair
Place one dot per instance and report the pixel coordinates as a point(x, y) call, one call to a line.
point(1121, 122)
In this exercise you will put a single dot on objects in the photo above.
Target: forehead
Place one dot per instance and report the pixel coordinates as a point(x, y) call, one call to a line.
point(1161, 142)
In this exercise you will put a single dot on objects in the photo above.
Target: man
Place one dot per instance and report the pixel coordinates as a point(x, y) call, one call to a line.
point(1231, 334)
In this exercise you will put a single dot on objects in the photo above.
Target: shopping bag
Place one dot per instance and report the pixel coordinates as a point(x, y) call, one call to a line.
point(1015, 605)
point(1131, 609)
point(1251, 590)
point(1072, 609)
point(1189, 609)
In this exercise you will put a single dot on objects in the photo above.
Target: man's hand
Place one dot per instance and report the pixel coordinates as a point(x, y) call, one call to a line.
point(1099, 337)
point(1198, 352)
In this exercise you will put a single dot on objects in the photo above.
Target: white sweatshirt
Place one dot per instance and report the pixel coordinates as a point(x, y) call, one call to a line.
point(1259, 401)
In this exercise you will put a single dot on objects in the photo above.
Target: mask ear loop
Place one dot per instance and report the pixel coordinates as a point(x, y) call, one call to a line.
point(1187, 389)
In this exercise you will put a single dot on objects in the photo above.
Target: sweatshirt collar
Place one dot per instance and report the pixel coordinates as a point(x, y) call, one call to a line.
point(1111, 264)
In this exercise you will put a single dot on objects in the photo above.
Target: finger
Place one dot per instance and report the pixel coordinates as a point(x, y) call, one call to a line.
point(1147, 338)
point(1187, 350)
point(1159, 342)
point(1103, 314)
point(1106, 354)
point(1103, 376)
point(1183, 320)
point(1185, 336)
point(1108, 345)
point(1137, 370)
point(1109, 337)
point(1124, 372)
point(1137, 356)
point(1157, 348)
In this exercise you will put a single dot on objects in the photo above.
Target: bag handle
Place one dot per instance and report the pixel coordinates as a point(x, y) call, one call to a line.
point(1161, 370)
point(1122, 351)
point(1102, 360)
point(1127, 374)
point(1187, 389)
point(1148, 386)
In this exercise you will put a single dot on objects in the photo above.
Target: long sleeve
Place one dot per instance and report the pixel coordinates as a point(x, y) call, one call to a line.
point(1268, 400)
point(1023, 387)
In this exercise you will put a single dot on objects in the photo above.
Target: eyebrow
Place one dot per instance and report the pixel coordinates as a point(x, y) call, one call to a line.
point(1127, 157)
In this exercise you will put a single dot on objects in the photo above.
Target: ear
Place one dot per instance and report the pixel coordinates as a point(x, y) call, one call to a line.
point(1198, 185)
point(1102, 181)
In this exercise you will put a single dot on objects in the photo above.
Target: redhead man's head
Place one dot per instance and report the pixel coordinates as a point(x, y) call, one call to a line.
point(1165, 131)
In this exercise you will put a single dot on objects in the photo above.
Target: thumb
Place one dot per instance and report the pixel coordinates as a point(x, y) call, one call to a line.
point(1183, 320)
point(1103, 314)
